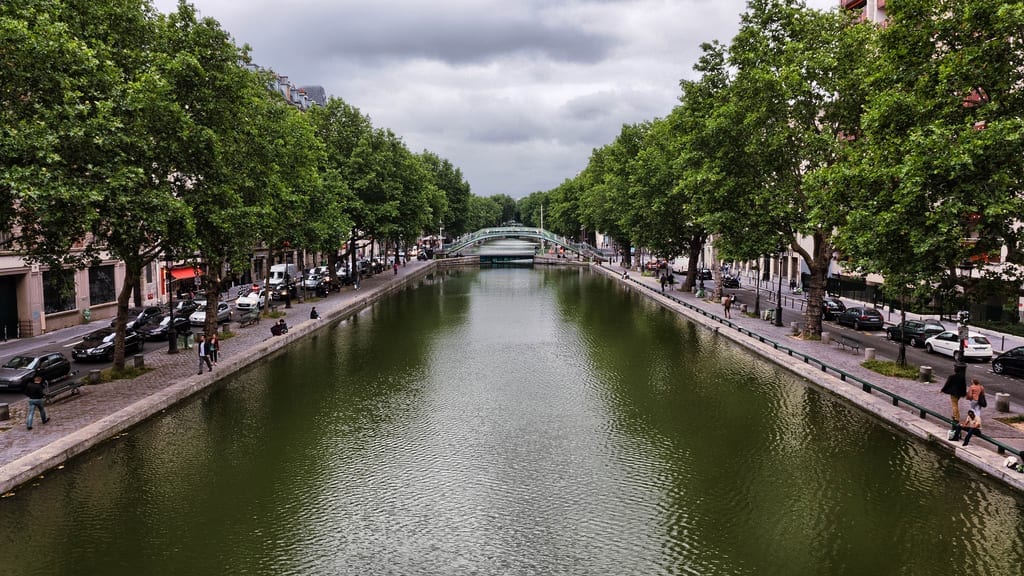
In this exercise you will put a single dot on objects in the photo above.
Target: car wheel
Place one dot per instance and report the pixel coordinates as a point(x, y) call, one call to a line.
point(998, 367)
point(929, 349)
point(915, 342)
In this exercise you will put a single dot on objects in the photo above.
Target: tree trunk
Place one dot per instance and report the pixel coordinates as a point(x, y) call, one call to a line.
point(818, 262)
point(131, 278)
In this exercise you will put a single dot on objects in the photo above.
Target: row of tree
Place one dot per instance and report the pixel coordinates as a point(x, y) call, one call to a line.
point(899, 148)
point(130, 134)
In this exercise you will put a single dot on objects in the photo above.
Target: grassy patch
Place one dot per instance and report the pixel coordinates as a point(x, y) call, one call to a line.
point(1019, 419)
point(274, 314)
point(128, 373)
point(890, 368)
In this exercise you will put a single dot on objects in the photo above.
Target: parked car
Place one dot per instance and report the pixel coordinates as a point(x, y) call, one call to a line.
point(976, 346)
point(99, 345)
point(861, 318)
point(914, 331)
point(311, 280)
point(1009, 362)
point(831, 307)
point(251, 301)
point(185, 308)
point(730, 281)
point(158, 330)
point(139, 317)
point(17, 372)
point(198, 318)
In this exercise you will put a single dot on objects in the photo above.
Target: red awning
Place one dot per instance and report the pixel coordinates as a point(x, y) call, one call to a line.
point(183, 273)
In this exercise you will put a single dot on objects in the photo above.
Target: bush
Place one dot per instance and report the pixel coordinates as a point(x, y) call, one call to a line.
point(890, 368)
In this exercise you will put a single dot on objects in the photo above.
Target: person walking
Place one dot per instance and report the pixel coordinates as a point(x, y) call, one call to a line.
point(395, 266)
point(664, 281)
point(204, 354)
point(976, 396)
point(956, 387)
point(727, 305)
point(36, 393)
point(972, 424)
point(214, 348)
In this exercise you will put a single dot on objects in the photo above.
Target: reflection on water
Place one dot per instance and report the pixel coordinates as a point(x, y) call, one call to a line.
point(513, 422)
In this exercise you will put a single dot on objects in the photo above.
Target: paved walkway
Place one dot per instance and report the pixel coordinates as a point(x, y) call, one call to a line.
point(982, 455)
point(102, 411)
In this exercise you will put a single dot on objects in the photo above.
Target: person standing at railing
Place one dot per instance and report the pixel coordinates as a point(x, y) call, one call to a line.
point(956, 387)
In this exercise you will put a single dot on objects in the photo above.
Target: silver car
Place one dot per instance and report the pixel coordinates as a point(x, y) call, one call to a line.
point(198, 318)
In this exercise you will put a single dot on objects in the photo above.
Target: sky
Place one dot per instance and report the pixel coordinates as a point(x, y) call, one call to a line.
point(515, 93)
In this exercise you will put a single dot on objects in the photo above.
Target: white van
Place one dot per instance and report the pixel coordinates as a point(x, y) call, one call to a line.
point(278, 273)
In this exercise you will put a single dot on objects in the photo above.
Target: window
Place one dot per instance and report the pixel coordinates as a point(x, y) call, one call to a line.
point(101, 285)
point(58, 291)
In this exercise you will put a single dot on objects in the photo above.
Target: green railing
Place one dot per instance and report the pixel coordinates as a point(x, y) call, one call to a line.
point(464, 242)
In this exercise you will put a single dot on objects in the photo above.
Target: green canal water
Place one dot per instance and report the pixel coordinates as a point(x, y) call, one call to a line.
point(513, 422)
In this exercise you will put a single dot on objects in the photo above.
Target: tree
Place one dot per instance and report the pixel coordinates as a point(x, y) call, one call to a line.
point(798, 92)
point(938, 171)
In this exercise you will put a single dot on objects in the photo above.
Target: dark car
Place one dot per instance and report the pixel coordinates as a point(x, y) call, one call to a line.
point(17, 372)
point(1009, 362)
point(730, 281)
point(185, 308)
point(831, 307)
point(861, 317)
point(914, 331)
point(157, 330)
point(99, 345)
point(139, 317)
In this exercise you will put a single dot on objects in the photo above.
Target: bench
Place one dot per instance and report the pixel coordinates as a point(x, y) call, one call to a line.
point(66, 385)
point(248, 318)
point(845, 341)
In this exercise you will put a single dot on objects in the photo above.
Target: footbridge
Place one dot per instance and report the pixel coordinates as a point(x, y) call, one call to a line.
point(539, 235)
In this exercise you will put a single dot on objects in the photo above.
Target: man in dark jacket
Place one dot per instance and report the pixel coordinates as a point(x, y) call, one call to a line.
point(956, 387)
point(36, 393)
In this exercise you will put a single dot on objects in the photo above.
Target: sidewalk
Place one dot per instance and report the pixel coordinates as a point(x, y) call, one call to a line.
point(979, 454)
point(101, 411)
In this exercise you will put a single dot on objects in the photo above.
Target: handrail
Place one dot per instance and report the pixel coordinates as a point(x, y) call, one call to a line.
point(866, 386)
point(503, 231)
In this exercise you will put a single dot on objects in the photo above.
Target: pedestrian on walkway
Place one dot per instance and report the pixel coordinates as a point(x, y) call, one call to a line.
point(727, 305)
point(204, 354)
point(395, 266)
point(956, 387)
point(976, 395)
point(664, 281)
point(214, 348)
point(36, 393)
point(972, 424)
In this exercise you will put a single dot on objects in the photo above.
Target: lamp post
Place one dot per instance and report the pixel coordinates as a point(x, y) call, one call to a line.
point(778, 303)
point(757, 293)
point(172, 334)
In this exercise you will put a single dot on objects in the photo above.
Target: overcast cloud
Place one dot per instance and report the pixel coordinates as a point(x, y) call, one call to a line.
point(516, 93)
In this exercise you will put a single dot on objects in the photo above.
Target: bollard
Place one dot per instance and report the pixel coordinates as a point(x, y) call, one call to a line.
point(140, 361)
point(869, 353)
point(5, 412)
point(924, 373)
point(94, 376)
point(826, 338)
point(226, 327)
point(1002, 402)
point(794, 327)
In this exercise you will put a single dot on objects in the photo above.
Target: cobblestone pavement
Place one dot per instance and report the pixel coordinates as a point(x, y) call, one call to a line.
point(174, 376)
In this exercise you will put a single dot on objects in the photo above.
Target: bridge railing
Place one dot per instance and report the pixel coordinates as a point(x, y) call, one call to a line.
point(505, 231)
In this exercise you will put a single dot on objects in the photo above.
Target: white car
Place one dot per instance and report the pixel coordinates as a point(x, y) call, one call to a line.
point(252, 301)
point(198, 318)
point(311, 281)
point(976, 346)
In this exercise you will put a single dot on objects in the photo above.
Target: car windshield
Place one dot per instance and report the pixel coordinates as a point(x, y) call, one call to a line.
point(19, 362)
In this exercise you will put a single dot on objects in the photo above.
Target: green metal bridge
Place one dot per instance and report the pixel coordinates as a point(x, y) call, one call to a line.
point(519, 232)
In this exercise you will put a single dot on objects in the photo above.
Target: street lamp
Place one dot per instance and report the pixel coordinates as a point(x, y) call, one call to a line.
point(778, 303)
point(172, 334)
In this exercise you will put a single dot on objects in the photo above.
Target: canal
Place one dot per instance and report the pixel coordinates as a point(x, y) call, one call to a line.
point(513, 422)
